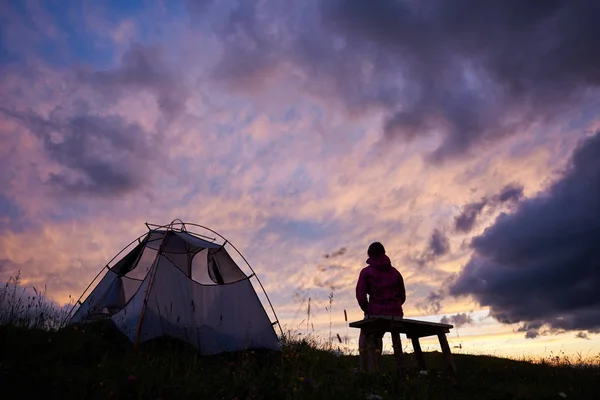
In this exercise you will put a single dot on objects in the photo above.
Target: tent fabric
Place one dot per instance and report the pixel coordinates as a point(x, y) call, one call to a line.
point(214, 318)
point(195, 292)
point(93, 304)
point(224, 265)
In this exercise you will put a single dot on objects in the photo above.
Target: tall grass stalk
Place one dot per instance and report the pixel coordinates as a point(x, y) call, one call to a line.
point(22, 308)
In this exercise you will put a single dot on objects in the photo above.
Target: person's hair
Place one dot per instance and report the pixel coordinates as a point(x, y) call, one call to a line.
point(376, 249)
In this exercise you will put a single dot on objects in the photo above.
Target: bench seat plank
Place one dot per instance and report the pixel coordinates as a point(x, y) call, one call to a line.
point(410, 327)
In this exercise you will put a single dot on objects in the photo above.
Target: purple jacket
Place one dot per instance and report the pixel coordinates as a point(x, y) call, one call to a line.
point(385, 287)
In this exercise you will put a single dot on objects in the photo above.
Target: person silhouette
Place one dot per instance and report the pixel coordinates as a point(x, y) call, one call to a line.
point(380, 291)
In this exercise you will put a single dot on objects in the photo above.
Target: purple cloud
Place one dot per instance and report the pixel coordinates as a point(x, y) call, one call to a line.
point(437, 246)
point(473, 71)
point(142, 68)
point(466, 220)
point(432, 304)
point(457, 320)
point(97, 154)
point(539, 265)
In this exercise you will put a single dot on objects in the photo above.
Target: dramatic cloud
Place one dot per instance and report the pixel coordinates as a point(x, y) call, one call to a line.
point(457, 320)
point(142, 68)
point(475, 67)
point(295, 128)
point(466, 220)
point(540, 264)
point(471, 71)
point(96, 154)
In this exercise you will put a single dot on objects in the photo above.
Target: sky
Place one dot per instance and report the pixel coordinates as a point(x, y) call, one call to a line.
point(462, 135)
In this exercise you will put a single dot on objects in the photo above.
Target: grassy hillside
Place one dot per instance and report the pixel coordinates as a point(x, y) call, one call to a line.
point(96, 362)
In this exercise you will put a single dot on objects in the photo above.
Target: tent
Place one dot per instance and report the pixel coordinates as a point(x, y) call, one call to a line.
point(181, 284)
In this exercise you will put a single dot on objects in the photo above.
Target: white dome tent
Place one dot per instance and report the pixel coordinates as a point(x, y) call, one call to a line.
point(184, 285)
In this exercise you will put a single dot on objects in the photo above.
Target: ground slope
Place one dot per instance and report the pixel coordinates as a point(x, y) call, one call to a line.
point(97, 362)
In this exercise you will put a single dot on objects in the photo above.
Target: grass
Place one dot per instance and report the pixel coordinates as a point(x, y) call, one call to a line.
point(40, 359)
point(96, 361)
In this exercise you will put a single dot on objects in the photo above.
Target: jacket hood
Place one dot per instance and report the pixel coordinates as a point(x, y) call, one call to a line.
point(379, 262)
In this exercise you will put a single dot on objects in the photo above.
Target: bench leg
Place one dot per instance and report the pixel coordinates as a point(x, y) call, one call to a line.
point(418, 353)
point(369, 347)
point(448, 357)
point(398, 354)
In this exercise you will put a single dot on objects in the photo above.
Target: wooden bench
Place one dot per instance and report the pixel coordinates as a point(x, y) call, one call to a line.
point(413, 330)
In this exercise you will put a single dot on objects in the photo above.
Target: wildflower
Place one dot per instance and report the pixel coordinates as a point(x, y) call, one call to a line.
point(563, 395)
point(131, 378)
point(374, 397)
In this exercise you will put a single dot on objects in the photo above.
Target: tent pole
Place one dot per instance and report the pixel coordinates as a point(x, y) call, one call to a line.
point(249, 266)
point(79, 299)
point(93, 280)
point(269, 300)
point(241, 255)
point(150, 282)
point(259, 282)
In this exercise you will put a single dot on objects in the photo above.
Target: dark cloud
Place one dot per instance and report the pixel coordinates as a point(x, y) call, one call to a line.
point(340, 252)
point(540, 265)
point(477, 67)
point(531, 334)
point(531, 329)
point(473, 71)
point(438, 245)
point(457, 320)
point(432, 304)
point(466, 220)
point(10, 212)
point(100, 154)
point(142, 68)
point(512, 192)
point(582, 335)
